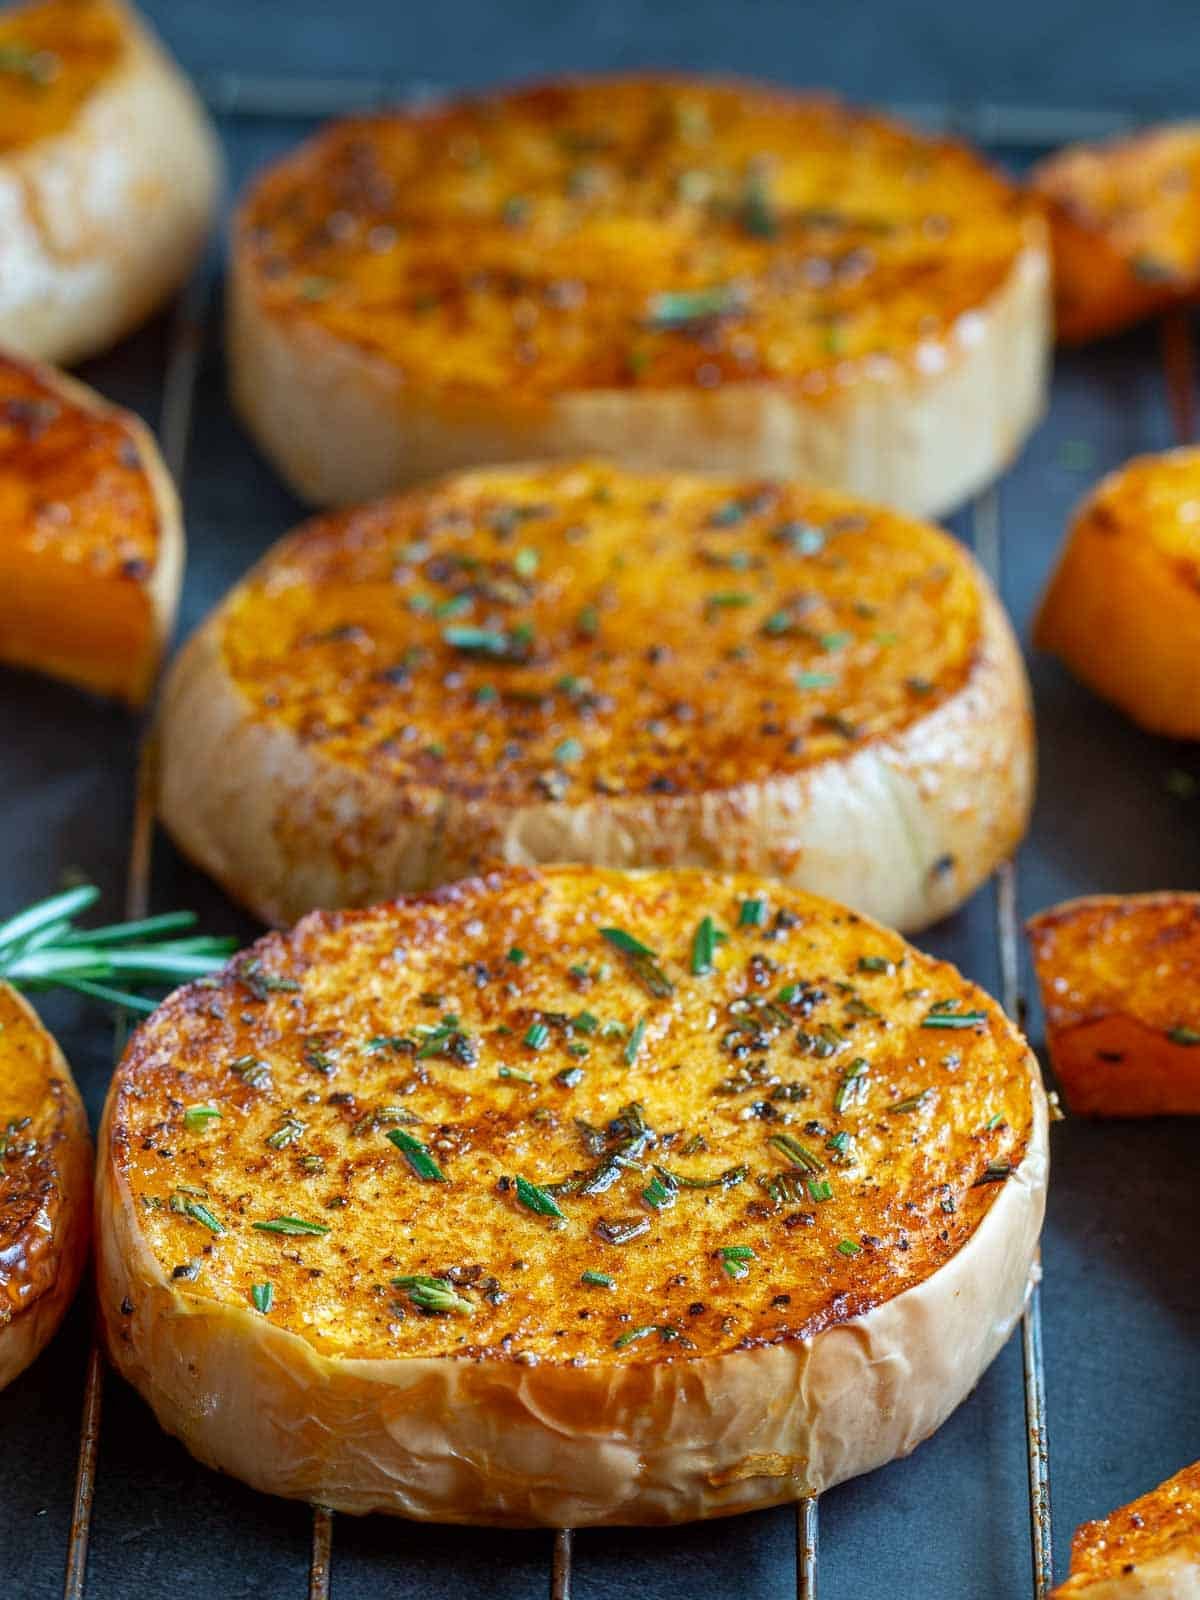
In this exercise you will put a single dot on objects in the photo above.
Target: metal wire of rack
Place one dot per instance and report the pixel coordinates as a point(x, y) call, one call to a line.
point(235, 95)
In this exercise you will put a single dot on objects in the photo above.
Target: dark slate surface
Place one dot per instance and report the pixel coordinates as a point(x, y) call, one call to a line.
point(1122, 1295)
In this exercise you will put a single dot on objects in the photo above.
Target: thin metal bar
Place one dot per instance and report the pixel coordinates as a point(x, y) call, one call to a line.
point(560, 1568)
point(806, 1548)
point(175, 416)
point(322, 1553)
point(988, 547)
point(85, 1476)
point(1179, 364)
point(1038, 1445)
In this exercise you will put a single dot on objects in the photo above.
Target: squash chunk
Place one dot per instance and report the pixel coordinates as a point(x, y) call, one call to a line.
point(1120, 982)
point(1125, 228)
point(1149, 1547)
point(91, 544)
point(1123, 607)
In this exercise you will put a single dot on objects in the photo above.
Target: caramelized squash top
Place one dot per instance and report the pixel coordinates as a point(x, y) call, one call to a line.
point(1152, 502)
point(570, 1115)
point(569, 631)
point(634, 233)
point(1135, 956)
point(1152, 1526)
point(53, 55)
point(38, 1111)
point(1140, 194)
point(73, 486)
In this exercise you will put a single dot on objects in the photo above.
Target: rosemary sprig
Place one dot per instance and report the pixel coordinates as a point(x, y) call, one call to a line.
point(42, 948)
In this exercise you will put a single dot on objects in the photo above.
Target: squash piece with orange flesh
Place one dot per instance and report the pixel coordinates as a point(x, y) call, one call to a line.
point(91, 542)
point(1125, 228)
point(1123, 607)
point(45, 1185)
point(1149, 1547)
point(1120, 982)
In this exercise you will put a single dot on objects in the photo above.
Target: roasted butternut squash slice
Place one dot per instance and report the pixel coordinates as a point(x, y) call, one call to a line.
point(1149, 1547)
point(680, 274)
point(1120, 982)
point(577, 663)
point(1125, 228)
point(568, 1197)
point(108, 176)
point(91, 543)
point(1122, 609)
point(45, 1185)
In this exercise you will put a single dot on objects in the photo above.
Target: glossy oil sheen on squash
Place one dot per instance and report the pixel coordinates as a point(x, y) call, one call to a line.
point(746, 1114)
point(81, 535)
point(53, 56)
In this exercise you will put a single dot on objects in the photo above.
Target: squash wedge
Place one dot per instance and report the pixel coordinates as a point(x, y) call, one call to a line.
point(45, 1185)
point(1122, 609)
point(1149, 1548)
point(1120, 984)
point(1125, 228)
point(91, 541)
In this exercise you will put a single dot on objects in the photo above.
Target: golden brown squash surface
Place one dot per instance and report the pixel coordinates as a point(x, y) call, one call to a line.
point(91, 546)
point(1149, 1547)
point(625, 239)
point(612, 1129)
point(1122, 609)
point(53, 55)
point(1120, 982)
point(1124, 228)
point(578, 663)
point(45, 1189)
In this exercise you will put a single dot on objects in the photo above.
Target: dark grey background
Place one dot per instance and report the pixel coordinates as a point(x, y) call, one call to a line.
point(1122, 1291)
point(1111, 53)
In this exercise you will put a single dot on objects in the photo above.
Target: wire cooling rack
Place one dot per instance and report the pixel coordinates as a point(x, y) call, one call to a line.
point(155, 1536)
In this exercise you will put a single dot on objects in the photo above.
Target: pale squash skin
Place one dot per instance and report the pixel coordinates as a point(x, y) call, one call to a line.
point(1120, 983)
point(109, 176)
point(801, 1318)
point(91, 537)
point(1122, 608)
point(1124, 218)
point(672, 670)
point(45, 1186)
point(499, 280)
point(1150, 1547)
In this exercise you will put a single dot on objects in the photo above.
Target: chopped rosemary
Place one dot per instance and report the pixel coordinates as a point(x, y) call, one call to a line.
point(621, 1230)
point(752, 914)
point(434, 1295)
point(947, 1015)
point(912, 1102)
point(597, 1280)
point(734, 1258)
point(515, 1072)
point(994, 1172)
point(289, 1130)
point(814, 680)
point(538, 1036)
point(634, 1043)
point(687, 308)
point(631, 1334)
point(417, 1155)
point(290, 1225)
point(704, 947)
point(659, 1195)
point(263, 1295)
point(796, 1153)
point(875, 964)
point(199, 1116)
point(184, 1203)
point(848, 1247)
point(820, 1189)
point(537, 1199)
point(642, 962)
point(516, 955)
point(853, 1087)
point(1184, 1036)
